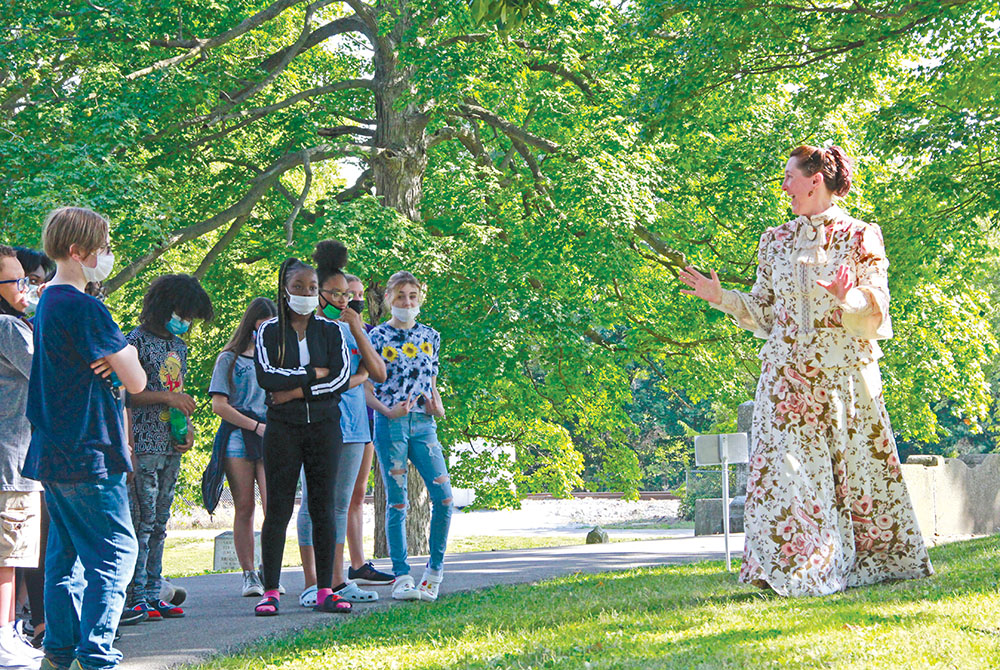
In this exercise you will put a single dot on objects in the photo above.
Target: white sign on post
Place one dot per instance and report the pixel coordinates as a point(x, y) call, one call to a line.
point(722, 450)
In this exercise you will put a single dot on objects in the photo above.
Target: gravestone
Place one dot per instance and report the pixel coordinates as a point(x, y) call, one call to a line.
point(597, 536)
point(225, 552)
point(708, 515)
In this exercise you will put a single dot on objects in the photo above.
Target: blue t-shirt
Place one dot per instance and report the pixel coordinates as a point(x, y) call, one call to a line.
point(77, 418)
point(353, 408)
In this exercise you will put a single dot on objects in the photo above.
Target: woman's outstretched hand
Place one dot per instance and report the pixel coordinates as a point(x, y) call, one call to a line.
point(703, 287)
point(840, 285)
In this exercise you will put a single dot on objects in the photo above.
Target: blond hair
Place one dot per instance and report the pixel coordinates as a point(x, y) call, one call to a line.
point(396, 281)
point(67, 226)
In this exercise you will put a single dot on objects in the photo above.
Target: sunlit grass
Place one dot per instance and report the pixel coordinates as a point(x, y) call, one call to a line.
point(186, 556)
point(693, 616)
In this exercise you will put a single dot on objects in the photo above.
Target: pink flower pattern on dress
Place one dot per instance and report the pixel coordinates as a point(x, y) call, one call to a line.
point(827, 508)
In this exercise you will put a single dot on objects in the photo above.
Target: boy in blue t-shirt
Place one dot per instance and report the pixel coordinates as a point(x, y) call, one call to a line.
point(78, 449)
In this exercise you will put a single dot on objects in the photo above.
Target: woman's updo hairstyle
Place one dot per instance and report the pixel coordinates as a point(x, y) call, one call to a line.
point(330, 257)
point(401, 278)
point(834, 163)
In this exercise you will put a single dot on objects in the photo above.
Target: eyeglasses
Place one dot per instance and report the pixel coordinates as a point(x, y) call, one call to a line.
point(337, 295)
point(21, 283)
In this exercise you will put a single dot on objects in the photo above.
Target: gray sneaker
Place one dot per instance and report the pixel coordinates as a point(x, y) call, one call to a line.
point(251, 584)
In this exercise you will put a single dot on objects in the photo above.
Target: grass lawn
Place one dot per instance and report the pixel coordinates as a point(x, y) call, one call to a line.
point(688, 617)
point(186, 556)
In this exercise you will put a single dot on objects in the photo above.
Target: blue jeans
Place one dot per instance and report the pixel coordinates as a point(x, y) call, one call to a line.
point(343, 489)
point(151, 495)
point(89, 561)
point(413, 437)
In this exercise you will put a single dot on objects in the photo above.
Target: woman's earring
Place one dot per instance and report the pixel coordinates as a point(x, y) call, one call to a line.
point(810, 194)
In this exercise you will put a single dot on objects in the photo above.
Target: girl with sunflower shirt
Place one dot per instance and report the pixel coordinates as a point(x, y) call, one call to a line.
point(406, 405)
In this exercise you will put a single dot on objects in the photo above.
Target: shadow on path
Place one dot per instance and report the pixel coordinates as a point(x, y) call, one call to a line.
point(219, 620)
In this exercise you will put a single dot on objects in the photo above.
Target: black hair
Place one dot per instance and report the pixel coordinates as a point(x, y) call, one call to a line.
point(259, 308)
point(290, 266)
point(174, 294)
point(31, 260)
point(330, 257)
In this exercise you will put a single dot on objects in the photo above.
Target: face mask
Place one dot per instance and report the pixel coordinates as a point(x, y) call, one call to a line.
point(100, 272)
point(32, 298)
point(303, 304)
point(331, 312)
point(177, 325)
point(357, 305)
point(405, 314)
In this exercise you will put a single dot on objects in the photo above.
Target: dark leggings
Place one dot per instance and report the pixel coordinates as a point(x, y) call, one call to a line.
point(34, 578)
point(287, 449)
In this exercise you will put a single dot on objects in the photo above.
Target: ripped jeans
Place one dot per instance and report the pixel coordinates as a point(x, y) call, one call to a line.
point(413, 437)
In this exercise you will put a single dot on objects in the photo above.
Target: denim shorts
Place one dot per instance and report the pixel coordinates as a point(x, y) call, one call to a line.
point(235, 448)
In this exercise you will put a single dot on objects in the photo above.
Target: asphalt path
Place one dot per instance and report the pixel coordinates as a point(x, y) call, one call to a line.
point(218, 620)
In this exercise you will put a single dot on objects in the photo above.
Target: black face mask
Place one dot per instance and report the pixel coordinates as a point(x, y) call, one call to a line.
point(356, 305)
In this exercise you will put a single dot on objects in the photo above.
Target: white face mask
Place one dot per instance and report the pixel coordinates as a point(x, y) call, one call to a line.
point(303, 304)
point(100, 272)
point(405, 314)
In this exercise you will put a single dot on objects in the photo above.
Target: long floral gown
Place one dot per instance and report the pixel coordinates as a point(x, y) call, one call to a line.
point(826, 505)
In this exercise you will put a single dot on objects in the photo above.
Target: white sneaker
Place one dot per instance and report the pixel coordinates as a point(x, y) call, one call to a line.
point(404, 589)
point(15, 653)
point(21, 635)
point(251, 584)
point(428, 588)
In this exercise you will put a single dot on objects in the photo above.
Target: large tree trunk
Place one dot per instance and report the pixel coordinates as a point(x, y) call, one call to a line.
point(418, 517)
point(399, 159)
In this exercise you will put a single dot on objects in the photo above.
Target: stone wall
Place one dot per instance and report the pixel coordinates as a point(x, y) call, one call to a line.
point(954, 496)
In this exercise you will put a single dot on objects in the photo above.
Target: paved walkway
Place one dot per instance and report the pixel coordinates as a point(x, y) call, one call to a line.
point(219, 620)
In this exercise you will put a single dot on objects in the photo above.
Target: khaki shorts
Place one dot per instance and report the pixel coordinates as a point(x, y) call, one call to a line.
point(20, 528)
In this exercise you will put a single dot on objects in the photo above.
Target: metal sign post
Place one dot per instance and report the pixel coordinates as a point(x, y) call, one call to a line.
point(722, 450)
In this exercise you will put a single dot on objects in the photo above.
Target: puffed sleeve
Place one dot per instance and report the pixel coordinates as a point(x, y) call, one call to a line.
point(866, 306)
point(754, 311)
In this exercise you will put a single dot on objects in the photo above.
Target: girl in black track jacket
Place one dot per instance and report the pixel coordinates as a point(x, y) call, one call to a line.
point(303, 363)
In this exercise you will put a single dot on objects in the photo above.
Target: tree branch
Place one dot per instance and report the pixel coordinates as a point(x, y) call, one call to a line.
point(198, 46)
point(561, 71)
point(221, 244)
point(509, 129)
point(349, 24)
point(297, 207)
point(242, 207)
point(286, 58)
point(363, 185)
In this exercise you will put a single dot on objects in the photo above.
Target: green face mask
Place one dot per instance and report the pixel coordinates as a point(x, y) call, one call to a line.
point(331, 312)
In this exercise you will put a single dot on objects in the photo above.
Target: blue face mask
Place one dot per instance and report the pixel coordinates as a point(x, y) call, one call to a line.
point(177, 325)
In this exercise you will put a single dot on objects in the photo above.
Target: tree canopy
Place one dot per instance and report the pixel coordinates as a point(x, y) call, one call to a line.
point(545, 167)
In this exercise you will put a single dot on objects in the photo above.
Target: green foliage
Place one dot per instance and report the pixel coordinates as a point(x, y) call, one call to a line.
point(620, 471)
point(491, 475)
point(633, 138)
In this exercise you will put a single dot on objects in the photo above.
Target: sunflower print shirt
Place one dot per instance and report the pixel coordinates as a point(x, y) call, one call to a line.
point(411, 363)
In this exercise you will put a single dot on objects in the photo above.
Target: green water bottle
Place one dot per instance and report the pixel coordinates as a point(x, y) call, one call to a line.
point(178, 425)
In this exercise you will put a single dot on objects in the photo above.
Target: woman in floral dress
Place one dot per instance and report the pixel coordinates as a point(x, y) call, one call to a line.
point(827, 508)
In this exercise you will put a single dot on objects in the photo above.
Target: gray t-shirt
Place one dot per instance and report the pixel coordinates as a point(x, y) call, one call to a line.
point(165, 363)
point(16, 349)
point(243, 391)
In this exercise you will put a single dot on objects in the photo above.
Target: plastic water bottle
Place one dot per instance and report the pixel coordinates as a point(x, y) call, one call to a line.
point(178, 425)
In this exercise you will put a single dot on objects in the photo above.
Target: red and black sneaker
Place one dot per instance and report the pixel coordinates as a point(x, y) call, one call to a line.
point(165, 609)
point(135, 613)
